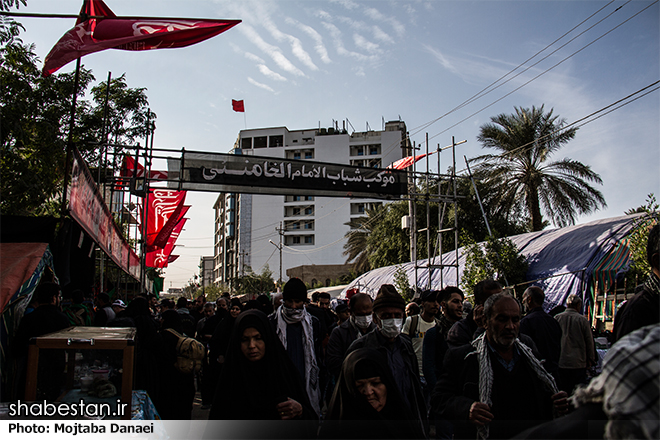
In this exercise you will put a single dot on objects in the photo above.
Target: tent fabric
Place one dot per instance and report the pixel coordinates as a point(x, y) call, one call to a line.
point(563, 260)
point(18, 262)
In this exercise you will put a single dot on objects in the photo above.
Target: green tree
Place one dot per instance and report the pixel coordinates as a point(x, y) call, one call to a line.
point(638, 239)
point(522, 179)
point(34, 127)
point(251, 283)
point(498, 259)
point(356, 248)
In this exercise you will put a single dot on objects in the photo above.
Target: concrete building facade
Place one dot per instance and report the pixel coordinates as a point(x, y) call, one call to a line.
point(252, 230)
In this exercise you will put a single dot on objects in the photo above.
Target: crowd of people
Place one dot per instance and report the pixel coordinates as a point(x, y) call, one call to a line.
point(378, 367)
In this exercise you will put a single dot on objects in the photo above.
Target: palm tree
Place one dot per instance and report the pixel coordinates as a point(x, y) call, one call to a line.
point(356, 248)
point(522, 180)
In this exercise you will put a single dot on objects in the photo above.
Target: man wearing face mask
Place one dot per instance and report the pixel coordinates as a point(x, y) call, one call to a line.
point(388, 314)
point(359, 324)
point(299, 333)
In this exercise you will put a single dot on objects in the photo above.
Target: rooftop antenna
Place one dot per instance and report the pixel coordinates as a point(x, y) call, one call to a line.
point(349, 123)
point(368, 128)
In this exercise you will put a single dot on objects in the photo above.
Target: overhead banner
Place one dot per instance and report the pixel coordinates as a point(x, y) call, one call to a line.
point(90, 211)
point(217, 172)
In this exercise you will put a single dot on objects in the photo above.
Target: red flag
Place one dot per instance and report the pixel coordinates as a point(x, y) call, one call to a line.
point(164, 234)
point(172, 258)
point(164, 208)
point(407, 161)
point(238, 106)
point(95, 34)
point(128, 168)
point(160, 258)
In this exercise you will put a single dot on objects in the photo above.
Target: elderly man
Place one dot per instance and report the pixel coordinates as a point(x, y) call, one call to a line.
point(577, 345)
point(389, 312)
point(496, 387)
point(299, 333)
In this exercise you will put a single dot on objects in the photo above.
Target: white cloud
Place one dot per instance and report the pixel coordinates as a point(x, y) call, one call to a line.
point(273, 51)
point(348, 4)
point(270, 74)
point(260, 85)
point(252, 57)
point(441, 59)
point(319, 47)
point(376, 15)
point(296, 45)
point(379, 34)
point(339, 45)
point(365, 44)
point(323, 15)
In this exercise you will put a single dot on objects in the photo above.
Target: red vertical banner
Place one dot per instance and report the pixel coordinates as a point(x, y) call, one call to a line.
point(164, 209)
point(161, 257)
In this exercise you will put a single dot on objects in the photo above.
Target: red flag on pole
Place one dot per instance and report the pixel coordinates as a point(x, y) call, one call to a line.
point(128, 33)
point(238, 106)
point(129, 167)
point(404, 163)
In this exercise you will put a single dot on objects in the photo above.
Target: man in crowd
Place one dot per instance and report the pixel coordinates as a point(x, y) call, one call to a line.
point(209, 311)
point(197, 311)
point(577, 345)
point(46, 318)
point(104, 313)
point(77, 312)
point(389, 310)
point(463, 332)
point(188, 322)
point(542, 328)
point(435, 341)
point(359, 324)
point(222, 303)
point(495, 387)
point(644, 308)
point(342, 311)
point(299, 333)
point(412, 309)
point(416, 327)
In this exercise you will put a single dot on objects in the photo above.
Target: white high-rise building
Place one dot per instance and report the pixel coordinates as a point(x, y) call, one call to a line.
point(250, 227)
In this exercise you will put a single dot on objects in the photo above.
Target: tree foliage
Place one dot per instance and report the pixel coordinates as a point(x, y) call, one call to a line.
point(522, 178)
point(34, 127)
point(498, 259)
point(638, 239)
point(251, 283)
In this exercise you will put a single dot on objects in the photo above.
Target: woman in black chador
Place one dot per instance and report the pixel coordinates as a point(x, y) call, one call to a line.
point(367, 402)
point(258, 380)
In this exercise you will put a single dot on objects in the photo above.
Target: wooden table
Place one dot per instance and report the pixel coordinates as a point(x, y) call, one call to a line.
point(84, 338)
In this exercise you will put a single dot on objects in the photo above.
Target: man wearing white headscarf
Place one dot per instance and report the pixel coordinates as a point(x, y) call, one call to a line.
point(299, 333)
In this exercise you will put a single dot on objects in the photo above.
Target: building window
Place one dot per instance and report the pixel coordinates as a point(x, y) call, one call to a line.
point(296, 155)
point(374, 149)
point(296, 211)
point(309, 225)
point(327, 282)
point(309, 211)
point(295, 240)
point(260, 142)
point(276, 141)
point(309, 197)
point(309, 239)
point(309, 155)
point(246, 143)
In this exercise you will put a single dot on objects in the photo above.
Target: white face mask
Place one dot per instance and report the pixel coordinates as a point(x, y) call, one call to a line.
point(292, 314)
point(362, 321)
point(391, 328)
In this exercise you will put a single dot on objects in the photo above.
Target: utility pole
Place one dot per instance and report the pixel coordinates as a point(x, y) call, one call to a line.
point(280, 231)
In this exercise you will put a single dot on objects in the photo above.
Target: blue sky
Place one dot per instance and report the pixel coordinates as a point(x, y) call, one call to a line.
point(301, 63)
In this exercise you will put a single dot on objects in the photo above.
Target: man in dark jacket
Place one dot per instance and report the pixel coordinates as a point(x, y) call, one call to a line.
point(47, 318)
point(389, 311)
point(496, 387)
point(463, 332)
point(542, 328)
point(359, 324)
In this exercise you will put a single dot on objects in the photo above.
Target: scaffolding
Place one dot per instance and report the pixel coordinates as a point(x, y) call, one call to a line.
point(445, 199)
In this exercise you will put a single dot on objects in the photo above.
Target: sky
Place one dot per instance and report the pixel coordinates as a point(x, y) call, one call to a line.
point(302, 64)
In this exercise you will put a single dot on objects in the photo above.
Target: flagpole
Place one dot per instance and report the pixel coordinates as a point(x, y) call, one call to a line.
point(245, 120)
point(69, 143)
